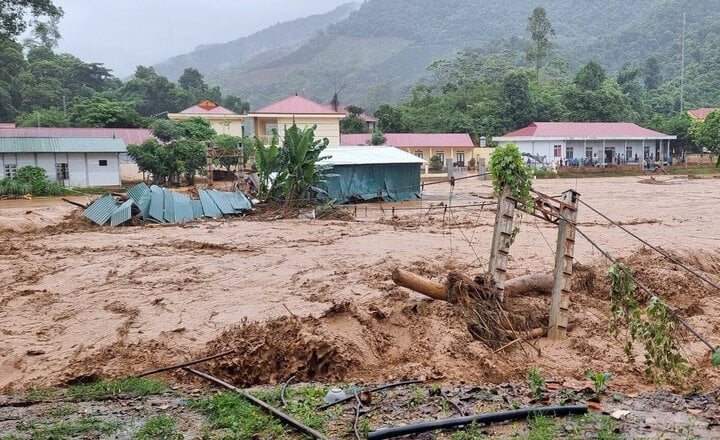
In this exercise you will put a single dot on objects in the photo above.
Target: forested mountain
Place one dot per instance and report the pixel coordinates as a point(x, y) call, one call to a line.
point(289, 35)
point(384, 47)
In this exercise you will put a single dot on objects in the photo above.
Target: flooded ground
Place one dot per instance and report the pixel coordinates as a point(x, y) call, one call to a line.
point(315, 298)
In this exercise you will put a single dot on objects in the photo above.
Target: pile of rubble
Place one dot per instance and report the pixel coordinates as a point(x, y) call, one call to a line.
point(160, 205)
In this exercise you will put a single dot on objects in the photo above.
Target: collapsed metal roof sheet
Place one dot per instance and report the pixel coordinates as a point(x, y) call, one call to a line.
point(210, 209)
point(122, 213)
point(101, 210)
point(157, 198)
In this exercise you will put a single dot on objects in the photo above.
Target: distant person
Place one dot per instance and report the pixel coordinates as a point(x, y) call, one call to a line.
point(452, 182)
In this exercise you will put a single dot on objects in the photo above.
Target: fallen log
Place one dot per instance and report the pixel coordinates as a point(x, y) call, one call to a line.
point(541, 283)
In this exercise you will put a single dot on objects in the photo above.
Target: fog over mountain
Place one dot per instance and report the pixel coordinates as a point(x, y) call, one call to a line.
point(128, 33)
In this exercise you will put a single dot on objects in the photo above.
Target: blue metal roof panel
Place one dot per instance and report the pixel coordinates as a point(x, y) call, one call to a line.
point(197, 208)
point(62, 145)
point(144, 205)
point(101, 209)
point(156, 210)
point(238, 201)
point(210, 209)
point(122, 213)
point(138, 191)
point(168, 206)
point(183, 210)
point(222, 201)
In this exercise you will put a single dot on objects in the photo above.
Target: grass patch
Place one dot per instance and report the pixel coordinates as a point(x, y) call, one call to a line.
point(68, 429)
point(41, 394)
point(238, 418)
point(159, 428)
point(60, 411)
point(123, 387)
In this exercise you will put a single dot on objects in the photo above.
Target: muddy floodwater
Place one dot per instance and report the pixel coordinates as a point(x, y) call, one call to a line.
point(315, 298)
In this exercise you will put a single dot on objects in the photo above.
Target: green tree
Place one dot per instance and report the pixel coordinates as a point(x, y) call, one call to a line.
point(14, 16)
point(707, 132)
point(179, 150)
point(591, 76)
point(235, 104)
point(518, 103)
point(98, 111)
point(651, 71)
point(378, 138)
point(51, 117)
point(230, 144)
point(294, 167)
point(352, 123)
point(390, 119)
point(154, 94)
point(541, 32)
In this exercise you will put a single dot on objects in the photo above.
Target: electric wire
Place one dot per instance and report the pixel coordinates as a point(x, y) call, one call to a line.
point(660, 251)
point(646, 289)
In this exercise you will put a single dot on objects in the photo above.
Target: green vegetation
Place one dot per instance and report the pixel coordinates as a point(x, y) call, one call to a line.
point(123, 387)
point(29, 180)
point(178, 149)
point(599, 381)
point(293, 166)
point(654, 326)
point(536, 381)
point(236, 417)
point(509, 168)
point(41, 394)
point(159, 428)
point(67, 429)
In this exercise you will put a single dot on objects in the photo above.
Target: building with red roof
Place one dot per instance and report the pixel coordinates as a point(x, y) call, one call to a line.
point(701, 113)
point(600, 142)
point(276, 117)
point(456, 146)
point(223, 120)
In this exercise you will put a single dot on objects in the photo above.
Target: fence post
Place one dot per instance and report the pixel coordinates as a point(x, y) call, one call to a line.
point(502, 236)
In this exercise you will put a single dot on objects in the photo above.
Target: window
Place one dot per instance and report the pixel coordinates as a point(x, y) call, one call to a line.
point(102, 163)
point(557, 150)
point(419, 154)
point(271, 129)
point(441, 156)
point(569, 152)
point(10, 170)
point(61, 171)
point(628, 153)
point(460, 159)
point(646, 151)
point(588, 152)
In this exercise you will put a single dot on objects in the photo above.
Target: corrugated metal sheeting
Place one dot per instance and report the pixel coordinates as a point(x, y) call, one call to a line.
point(161, 205)
point(61, 145)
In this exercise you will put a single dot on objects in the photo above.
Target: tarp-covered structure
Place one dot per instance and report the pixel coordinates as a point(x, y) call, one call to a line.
point(370, 172)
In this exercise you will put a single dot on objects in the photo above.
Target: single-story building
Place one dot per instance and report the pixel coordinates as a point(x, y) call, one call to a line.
point(369, 172)
point(456, 146)
point(75, 161)
point(599, 143)
point(128, 168)
point(223, 120)
point(701, 113)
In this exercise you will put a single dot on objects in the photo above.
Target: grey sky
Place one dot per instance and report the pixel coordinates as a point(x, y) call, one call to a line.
point(123, 34)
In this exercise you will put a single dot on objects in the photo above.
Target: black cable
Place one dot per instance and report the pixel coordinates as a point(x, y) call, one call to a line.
point(660, 251)
point(648, 291)
point(282, 391)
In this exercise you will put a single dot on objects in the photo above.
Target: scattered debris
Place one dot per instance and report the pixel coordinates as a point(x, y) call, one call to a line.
point(160, 205)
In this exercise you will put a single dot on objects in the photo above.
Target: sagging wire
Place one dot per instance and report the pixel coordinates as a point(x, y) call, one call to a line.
point(660, 251)
point(646, 289)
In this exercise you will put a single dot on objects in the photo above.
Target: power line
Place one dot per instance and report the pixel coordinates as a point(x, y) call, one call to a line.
point(660, 251)
point(648, 291)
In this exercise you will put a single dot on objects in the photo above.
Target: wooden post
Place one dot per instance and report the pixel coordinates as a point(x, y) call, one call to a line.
point(560, 300)
point(502, 235)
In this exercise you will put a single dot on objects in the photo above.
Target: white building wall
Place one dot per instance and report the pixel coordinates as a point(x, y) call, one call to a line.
point(77, 170)
point(103, 175)
point(25, 159)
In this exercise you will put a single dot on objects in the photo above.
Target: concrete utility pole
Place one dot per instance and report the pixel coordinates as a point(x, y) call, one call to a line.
point(502, 236)
point(564, 256)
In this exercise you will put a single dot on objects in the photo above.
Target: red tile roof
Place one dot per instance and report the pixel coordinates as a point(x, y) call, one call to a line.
point(413, 140)
point(298, 105)
point(583, 130)
point(128, 135)
point(701, 113)
point(208, 108)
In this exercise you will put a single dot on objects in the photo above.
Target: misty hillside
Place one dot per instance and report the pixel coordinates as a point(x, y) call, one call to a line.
point(378, 52)
point(288, 35)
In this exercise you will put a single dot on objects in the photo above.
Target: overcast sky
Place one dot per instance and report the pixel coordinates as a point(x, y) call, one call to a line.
point(123, 34)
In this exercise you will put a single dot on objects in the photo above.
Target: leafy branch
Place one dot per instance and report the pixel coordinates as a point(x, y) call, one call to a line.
point(655, 327)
